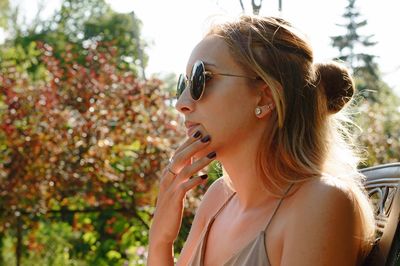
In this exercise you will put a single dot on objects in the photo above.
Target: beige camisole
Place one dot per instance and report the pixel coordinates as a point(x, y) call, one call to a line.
point(254, 253)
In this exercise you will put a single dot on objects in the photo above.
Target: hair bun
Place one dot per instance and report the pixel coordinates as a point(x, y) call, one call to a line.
point(337, 83)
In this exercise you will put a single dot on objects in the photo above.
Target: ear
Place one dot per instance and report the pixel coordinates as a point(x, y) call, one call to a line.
point(265, 103)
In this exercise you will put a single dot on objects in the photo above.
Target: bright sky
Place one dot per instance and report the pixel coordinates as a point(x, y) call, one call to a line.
point(173, 27)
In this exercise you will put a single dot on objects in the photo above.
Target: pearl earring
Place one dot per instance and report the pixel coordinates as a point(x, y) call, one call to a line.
point(258, 111)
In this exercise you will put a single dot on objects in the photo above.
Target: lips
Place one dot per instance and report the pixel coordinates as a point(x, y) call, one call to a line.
point(190, 126)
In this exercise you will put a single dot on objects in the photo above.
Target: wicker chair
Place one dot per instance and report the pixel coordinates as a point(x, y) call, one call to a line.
point(383, 186)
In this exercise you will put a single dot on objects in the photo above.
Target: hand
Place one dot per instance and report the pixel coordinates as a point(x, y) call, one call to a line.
point(176, 181)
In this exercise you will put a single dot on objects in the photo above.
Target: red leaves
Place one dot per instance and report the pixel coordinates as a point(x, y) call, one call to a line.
point(87, 135)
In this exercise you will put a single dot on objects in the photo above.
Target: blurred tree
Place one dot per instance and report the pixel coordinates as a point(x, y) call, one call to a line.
point(85, 135)
point(378, 105)
point(380, 135)
point(352, 46)
point(4, 13)
point(350, 43)
point(82, 24)
point(79, 130)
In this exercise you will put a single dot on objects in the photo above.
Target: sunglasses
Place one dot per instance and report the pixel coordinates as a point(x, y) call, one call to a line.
point(198, 79)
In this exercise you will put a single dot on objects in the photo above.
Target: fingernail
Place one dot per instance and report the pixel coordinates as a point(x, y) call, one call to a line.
point(204, 176)
point(197, 134)
point(211, 155)
point(205, 139)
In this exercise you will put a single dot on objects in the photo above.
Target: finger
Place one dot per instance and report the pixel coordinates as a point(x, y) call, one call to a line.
point(195, 136)
point(191, 183)
point(192, 169)
point(167, 178)
point(168, 173)
point(183, 158)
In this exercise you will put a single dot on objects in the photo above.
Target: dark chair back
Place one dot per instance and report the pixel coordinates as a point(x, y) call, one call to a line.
point(383, 186)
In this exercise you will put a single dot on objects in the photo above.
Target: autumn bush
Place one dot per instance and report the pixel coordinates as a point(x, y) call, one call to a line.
point(81, 136)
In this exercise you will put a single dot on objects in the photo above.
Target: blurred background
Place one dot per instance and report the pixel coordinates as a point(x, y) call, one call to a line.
point(87, 119)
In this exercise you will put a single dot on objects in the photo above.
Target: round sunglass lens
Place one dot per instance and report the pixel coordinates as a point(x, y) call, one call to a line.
point(181, 85)
point(198, 80)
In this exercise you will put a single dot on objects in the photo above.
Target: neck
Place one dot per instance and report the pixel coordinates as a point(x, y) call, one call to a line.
point(240, 164)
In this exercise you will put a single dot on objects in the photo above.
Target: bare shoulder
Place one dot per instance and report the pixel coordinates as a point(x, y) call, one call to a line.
point(324, 192)
point(322, 225)
point(322, 202)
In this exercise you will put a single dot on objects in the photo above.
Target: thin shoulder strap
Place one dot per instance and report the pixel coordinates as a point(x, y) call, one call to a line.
point(223, 206)
point(278, 205)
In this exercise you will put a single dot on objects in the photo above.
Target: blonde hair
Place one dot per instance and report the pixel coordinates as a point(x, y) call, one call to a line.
point(309, 135)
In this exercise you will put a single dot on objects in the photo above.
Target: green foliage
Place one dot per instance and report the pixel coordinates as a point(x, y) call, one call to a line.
point(4, 13)
point(380, 124)
point(107, 238)
point(49, 244)
point(79, 25)
point(122, 30)
point(22, 60)
point(378, 109)
point(75, 13)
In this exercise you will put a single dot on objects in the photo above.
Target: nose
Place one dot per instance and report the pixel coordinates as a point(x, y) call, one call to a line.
point(185, 103)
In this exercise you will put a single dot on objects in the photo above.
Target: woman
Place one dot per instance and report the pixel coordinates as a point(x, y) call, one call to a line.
point(291, 193)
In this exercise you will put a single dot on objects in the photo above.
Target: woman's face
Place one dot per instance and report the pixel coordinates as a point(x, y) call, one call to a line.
point(226, 109)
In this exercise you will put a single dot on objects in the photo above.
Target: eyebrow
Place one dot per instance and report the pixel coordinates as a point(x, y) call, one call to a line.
point(209, 64)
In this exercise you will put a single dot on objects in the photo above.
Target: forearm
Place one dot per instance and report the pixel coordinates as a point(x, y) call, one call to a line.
point(160, 254)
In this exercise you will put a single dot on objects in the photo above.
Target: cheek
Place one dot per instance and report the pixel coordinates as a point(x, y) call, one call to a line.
point(227, 115)
point(230, 121)
point(226, 129)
